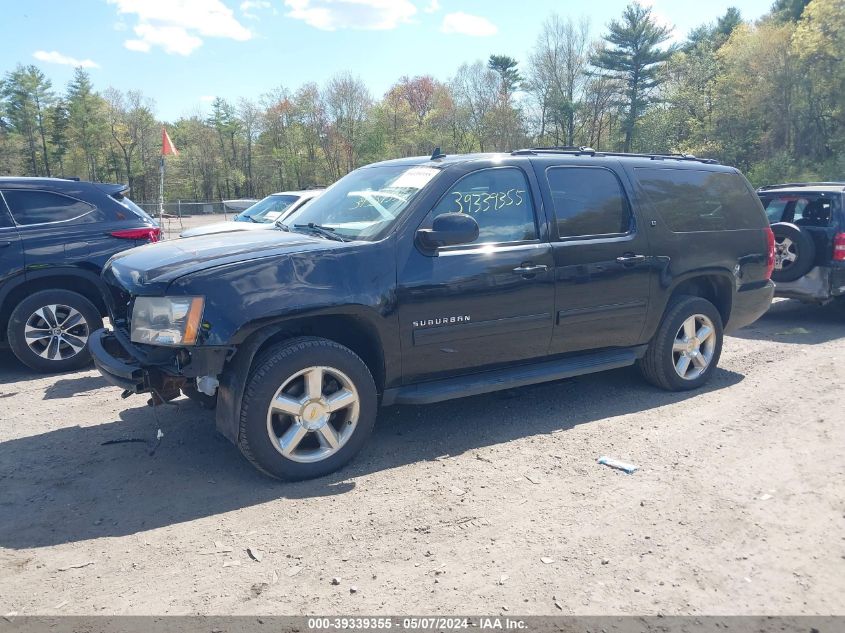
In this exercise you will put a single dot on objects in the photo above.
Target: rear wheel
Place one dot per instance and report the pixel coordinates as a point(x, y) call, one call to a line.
point(795, 252)
point(48, 331)
point(686, 348)
point(309, 406)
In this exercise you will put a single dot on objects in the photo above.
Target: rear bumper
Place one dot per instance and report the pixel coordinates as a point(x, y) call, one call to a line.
point(750, 304)
point(819, 285)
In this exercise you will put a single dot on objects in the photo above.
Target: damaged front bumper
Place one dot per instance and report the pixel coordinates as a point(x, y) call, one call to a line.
point(162, 371)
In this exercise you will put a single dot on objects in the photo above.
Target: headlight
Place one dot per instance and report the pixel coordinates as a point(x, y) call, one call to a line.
point(166, 320)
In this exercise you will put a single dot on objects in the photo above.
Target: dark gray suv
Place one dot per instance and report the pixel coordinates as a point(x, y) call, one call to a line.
point(55, 237)
point(808, 221)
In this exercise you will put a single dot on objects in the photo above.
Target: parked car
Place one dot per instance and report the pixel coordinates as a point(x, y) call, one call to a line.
point(423, 279)
point(55, 237)
point(260, 216)
point(808, 221)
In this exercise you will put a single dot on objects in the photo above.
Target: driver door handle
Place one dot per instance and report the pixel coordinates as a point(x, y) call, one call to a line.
point(529, 269)
point(629, 259)
point(4, 244)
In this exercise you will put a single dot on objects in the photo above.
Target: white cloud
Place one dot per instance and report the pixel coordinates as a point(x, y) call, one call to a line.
point(137, 45)
point(330, 15)
point(178, 26)
point(433, 6)
point(207, 98)
point(248, 8)
point(55, 57)
point(466, 24)
point(661, 19)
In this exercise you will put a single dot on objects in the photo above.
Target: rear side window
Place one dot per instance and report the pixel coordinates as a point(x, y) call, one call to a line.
point(691, 200)
point(498, 199)
point(5, 218)
point(588, 201)
point(803, 209)
point(134, 208)
point(39, 207)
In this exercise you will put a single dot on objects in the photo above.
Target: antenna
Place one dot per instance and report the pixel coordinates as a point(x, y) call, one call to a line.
point(437, 154)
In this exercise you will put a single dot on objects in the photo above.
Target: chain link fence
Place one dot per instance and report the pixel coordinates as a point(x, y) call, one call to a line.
point(187, 209)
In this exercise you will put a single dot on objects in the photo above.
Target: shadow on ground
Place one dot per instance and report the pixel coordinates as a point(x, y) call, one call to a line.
point(65, 486)
point(789, 321)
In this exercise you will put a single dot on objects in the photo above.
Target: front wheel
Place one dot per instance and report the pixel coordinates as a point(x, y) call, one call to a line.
point(686, 348)
point(49, 330)
point(308, 408)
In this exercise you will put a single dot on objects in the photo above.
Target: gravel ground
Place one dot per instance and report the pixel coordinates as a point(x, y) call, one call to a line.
point(474, 506)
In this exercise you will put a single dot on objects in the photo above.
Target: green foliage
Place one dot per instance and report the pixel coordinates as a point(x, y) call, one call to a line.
point(633, 55)
point(507, 69)
point(768, 98)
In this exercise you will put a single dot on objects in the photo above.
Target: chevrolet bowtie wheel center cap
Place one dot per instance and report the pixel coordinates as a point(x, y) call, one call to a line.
point(314, 415)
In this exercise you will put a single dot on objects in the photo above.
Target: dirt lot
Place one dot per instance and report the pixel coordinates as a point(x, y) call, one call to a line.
point(472, 506)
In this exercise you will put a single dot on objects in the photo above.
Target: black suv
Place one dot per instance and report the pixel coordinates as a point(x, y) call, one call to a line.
point(55, 237)
point(808, 221)
point(423, 279)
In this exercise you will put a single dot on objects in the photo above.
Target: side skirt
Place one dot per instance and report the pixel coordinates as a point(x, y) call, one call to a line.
point(511, 377)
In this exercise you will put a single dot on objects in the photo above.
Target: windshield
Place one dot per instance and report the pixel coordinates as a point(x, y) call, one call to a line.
point(365, 203)
point(269, 209)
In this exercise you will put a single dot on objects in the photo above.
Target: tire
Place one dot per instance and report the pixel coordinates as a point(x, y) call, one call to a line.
point(202, 399)
point(795, 252)
point(661, 363)
point(72, 315)
point(304, 422)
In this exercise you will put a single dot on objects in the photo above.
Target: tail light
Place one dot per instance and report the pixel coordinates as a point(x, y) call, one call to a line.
point(770, 259)
point(839, 247)
point(150, 234)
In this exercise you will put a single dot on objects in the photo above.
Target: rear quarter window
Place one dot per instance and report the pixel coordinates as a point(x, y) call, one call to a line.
point(41, 207)
point(691, 200)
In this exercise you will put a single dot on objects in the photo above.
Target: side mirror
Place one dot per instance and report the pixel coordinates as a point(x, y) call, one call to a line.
point(449, 229)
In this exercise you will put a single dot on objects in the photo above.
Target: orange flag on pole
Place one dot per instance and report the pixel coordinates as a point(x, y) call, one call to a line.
point(167, 146)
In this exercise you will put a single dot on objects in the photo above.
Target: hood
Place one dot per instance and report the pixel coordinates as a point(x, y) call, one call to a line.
point(227, 227)
point(148, 270)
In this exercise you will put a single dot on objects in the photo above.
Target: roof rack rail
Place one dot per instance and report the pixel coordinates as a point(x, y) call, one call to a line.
point(802, 184)
point(561, 149)
point(579, 151)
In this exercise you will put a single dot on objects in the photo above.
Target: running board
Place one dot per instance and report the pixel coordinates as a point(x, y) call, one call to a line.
point(511, 377)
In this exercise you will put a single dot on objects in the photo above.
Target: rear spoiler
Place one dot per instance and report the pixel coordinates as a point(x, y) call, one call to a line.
point(115, 190)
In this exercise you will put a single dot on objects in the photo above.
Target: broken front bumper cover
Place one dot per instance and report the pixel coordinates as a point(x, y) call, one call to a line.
point(161, 370)
point(118, 361)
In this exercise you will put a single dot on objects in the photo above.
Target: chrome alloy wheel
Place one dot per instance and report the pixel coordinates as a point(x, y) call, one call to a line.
point(693, 348)
point(786, 253)
point(56, 332)
point(313, 414)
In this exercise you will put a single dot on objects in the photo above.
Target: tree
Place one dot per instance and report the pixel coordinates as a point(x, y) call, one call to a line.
point(85, 120)
point(27, 95)
point(507, 69)
point(557, 75)
point(347, 103)
point(633, 55)
point(788, 10)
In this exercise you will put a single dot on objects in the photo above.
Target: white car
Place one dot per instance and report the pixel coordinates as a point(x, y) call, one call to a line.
point(260, 216)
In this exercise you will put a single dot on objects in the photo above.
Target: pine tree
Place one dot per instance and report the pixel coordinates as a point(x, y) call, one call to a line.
point(633, 56)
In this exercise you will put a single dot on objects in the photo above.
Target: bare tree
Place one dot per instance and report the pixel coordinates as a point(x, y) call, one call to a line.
point(476, 92)
point(347, 102)
point(557, 74)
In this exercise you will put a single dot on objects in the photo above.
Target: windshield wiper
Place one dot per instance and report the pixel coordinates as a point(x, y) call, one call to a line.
point(282, 226)
point(324, 231)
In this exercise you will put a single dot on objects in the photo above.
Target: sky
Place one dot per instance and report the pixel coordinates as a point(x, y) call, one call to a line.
point(183, 53)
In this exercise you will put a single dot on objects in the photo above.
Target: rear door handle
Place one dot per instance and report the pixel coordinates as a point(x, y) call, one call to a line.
point(630, 260)
point(5, 244)
point(530, 269)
